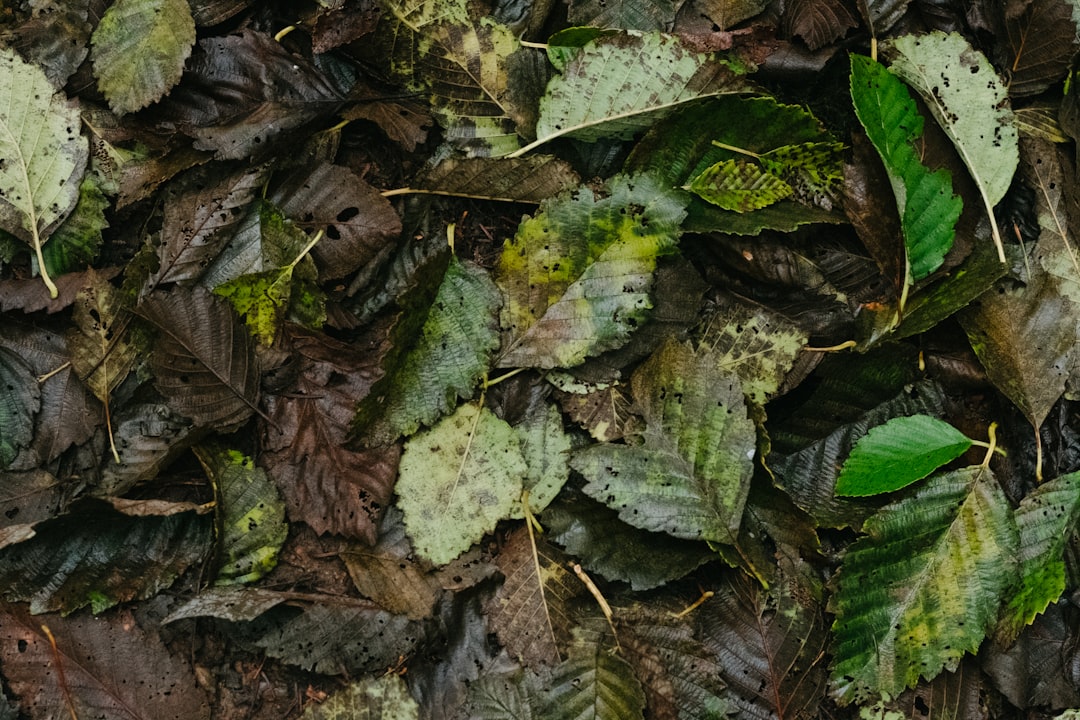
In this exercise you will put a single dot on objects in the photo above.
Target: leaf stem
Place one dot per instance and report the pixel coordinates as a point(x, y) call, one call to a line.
point(53, 292)
point(832, 348)
point(504, 376)
point(991, 446)
point(536, 45)
point(732, 148)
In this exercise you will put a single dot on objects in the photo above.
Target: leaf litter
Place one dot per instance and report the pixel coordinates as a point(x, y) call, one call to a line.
point(404, 360)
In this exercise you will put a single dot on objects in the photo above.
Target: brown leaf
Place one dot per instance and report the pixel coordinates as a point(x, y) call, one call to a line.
point(29, 497)
point(31, 295)
point(403, 122)
point(357, 220)
point(342, 25)
point(102, 351)
point(204, 359)
point(818, 22)
point(112, 668)
point(1041, 42)
point(604, 412)
point(202, 212)
point(331, 488)
point(529, 611)
point(870, 207)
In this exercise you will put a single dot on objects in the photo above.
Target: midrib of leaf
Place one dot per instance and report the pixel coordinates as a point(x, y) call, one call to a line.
point(961, 147)
point(31, 211)
point(529, 520)
point(1057, 221)
point(465, 455)
point(600, 121)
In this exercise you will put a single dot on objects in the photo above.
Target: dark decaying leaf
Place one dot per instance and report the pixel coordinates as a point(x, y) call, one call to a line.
point(530, 612)
point(203, 360)
point(624, 14)
point(56, 38)
point(818, 22)
point(328, 486)
point(405, 122)
point(18, 405)
point(958, 695)
point(592, 682)
point(770, 646)
point(1041, 42)
point(102, 351)
point(356, 220)
point(339, 640)
point(605, 411)
point(882, 14)
point(30, 295)
point(1039, 669)
point(105, 667)
point(617, 551)
point(202, 212)
point(532, 178)
point(29, 497)
point(69, 414)
point(214, 12)
point(75, 560)
point(338, 26)
point(240, 92)
point(148, 437)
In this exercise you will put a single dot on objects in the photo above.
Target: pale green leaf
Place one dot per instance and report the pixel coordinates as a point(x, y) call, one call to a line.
point(592, 684)
point(924, 586)
point(446, 362)
point(44, 154)
point(139, 49)
point(250, 515)
point(546, 450)
point(691, 476)
point(896, 454)
point(618, 85)
point(740, 186)
point(577, 276)
point(18, 405)
point(383, 698)
point(928, 208)
point(457, 480)
point(1046, 519)
point(969, 102)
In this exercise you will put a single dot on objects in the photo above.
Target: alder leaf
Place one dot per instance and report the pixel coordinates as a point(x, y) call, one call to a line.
point(546, 449)
point(44, 155)
point(203, 360)
point(894, 455)
point(577, 275)
point(383, 698)
point(74, 560)
point(103, 352)
point(970, 103)
point(457, 480)
point(110, 665)
point(658, 74)
point(740, 186)
point(445, 363)
point(592, 683)
point(138, 50)
point(250, 515)
point(1045, 519)
point(928, 208)
point(530, 612)
point(691, 476)
point(18, 405)
point(924, 586)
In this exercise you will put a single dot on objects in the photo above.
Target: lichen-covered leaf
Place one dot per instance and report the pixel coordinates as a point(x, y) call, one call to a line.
point(250, 515)
point(1045, 519)
point(928, 208)
point(690, 477)
point(74, 560)
point(924, 586)
point(445, 363)
point(44, 154)
point(899, 452)
point(383, 698)
point(139, 50)
point(457, 480)
point(577, 276)
point(656, 75)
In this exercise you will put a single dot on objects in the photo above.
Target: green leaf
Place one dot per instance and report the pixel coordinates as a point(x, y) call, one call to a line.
point(814, 170)
point(896, 454)
point(383, 698)
point(18, 405)
point(740, 186)
point(656, 75)
point(44, 155)
point(970, 103)
point(577, 275)
point(1046, 519)
point(250, 515)
point(446, 362)
point(139, 50)
point(457, 480)
point(691, 476)
point(546, 449)
point(593, 684)
point(924, 586)
point(928, 208)
point(75, 244)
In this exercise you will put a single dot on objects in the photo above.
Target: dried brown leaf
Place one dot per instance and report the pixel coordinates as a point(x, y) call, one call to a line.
point(818, 22)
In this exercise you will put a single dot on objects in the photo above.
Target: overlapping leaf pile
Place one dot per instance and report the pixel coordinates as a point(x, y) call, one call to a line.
point(510, 374)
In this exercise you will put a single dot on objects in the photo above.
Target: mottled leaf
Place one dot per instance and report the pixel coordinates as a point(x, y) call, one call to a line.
point(76, 242)
point(139, 50)
point(102, 351)
point(740, 186)
point(383, 698)
point(592, 683)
